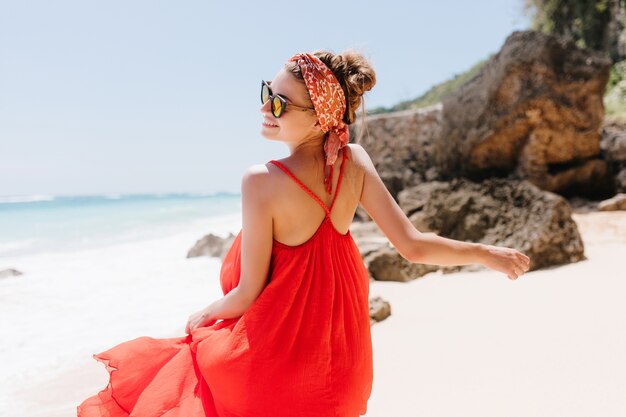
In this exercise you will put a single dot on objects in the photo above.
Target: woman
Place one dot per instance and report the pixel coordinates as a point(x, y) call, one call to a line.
point(291, 336)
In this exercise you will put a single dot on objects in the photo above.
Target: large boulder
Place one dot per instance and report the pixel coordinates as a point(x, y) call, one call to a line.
point(533, 111)
point(402, 145)
point(497, 211)
point(510, 213)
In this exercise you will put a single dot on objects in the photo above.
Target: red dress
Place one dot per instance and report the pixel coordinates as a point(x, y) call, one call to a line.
point(303, 348)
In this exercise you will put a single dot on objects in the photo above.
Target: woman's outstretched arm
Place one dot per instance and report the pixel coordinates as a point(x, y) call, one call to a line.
point(427, 248)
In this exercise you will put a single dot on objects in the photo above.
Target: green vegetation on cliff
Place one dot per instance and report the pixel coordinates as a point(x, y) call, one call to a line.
point(593, 24)
point(436, 93)
point(615, 96)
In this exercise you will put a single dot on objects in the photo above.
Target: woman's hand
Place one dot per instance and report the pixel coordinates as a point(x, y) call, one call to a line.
point(507, 260)
point(199, 319)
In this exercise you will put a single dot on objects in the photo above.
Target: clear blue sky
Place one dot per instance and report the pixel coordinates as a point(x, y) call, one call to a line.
point(162, 96)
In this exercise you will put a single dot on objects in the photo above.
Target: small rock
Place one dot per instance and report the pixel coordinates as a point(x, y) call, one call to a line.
point(379, 309)
point(617, 202)
point(10, 272)
point(211, 245)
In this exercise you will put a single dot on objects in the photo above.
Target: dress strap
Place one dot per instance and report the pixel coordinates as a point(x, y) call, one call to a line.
point(305, 188)
point(343, 163)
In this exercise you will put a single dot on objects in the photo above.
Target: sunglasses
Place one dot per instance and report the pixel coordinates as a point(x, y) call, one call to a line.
point(278, 104)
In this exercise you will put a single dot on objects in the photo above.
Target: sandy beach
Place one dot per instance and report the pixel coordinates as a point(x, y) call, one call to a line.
point(135, 133)
point(551, 343)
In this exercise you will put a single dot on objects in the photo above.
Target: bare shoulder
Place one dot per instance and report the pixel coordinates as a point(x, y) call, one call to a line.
point(256, 172)
point(359, 156)
point(255, 182)
point(362, 164)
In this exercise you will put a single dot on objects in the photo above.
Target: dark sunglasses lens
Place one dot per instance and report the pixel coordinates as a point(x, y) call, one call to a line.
point(277, 107)
point(265, 93)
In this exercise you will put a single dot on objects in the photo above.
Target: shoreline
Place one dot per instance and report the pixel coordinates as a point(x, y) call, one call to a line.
point(69, 305)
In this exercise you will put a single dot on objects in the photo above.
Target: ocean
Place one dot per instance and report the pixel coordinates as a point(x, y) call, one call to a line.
point(98, 270)
point(44, 223)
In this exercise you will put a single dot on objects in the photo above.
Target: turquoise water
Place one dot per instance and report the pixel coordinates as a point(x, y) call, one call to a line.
point(41, 223)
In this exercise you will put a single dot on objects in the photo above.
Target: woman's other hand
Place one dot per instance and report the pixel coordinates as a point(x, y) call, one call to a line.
point(507, 260)
point(199, 319)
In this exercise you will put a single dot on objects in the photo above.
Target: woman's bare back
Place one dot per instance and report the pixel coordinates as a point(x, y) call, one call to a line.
point(296, 215)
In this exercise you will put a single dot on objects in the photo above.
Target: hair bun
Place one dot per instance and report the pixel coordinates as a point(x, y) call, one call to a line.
point(354, 73)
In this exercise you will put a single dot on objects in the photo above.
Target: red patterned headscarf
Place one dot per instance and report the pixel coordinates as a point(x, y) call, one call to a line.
point(330, 105)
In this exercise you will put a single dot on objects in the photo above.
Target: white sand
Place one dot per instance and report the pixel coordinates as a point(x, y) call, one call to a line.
point(552, 343)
